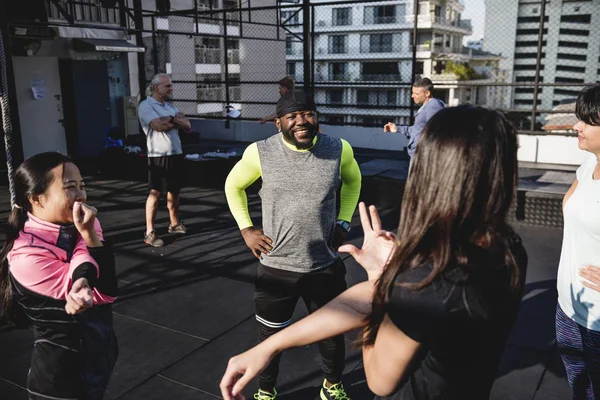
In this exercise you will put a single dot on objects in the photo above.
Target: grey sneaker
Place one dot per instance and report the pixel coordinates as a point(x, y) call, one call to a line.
point(179, 228)
point(153, 240)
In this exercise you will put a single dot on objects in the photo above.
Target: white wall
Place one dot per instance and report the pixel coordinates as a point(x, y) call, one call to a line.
point(249, 131)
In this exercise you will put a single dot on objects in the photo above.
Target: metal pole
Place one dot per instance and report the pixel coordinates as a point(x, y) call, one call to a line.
point(226, 56)
point(537, 65)
point(154, 46)
point(307, 44)
point(139, 26)
point(312, 53)
point(414, 51)
point(8, 106)
point(196, 16)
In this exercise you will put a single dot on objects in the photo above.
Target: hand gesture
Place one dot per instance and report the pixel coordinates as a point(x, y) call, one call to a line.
point(377, 245)
point(592, 276)
point(80, 297)
point(257, 241)
point(84, 217)
point(242, 369)
point(390, 127)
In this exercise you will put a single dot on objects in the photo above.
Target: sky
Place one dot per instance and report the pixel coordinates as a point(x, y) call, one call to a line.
point(475, 11)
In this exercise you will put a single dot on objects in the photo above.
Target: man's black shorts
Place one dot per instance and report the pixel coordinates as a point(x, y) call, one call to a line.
point(166, 173)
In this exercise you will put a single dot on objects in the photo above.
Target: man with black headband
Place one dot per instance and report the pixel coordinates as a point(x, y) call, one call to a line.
point(301, 171)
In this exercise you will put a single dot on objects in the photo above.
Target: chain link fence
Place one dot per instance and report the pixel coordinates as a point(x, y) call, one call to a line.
point(364, 56)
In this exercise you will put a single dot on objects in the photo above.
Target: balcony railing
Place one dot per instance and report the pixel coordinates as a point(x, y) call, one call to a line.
point(208, 56)
point(332, 77)
point(83, 10)
point(381, 20)
point(210, 94)
point(380, 77)
point(442, 49)
point(383, 48)
point(357, 50)
point(233, 56)
point(235, 93)
point(341, 22)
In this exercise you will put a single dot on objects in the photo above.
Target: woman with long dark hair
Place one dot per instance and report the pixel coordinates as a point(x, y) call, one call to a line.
point(59, 276)
point(443, 295)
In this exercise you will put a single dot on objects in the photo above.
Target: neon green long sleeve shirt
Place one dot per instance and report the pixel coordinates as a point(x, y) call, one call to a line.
point(248, 170)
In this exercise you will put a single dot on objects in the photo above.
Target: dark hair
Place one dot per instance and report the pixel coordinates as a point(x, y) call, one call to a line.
point(458, 193)
point(587, 107)
point(287, 82)
point(32, 178)
point(424, 83)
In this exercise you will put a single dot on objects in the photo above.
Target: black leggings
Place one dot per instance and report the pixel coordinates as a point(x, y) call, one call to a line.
point(276, 295)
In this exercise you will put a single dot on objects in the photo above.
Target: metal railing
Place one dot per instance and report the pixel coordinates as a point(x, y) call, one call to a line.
point(82, 10)
point(208, 56)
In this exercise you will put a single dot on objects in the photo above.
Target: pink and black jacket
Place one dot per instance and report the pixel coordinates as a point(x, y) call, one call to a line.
point(43, 264)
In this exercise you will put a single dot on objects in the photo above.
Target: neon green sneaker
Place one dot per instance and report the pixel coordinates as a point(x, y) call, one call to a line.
point(335, 392)
point(264, 395)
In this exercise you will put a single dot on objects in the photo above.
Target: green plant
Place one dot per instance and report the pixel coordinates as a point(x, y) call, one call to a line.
point(463, 72)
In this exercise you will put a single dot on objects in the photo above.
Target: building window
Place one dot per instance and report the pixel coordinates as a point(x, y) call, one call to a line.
point(419, 68)
point(574, 45)
point(335, 96)
point(531, 19)
point(380, 15)
point(529, 43)
point(531, 31)
point(528, 55)
point(376, 97)
point(342, 16)
point(528, 90)
point(559, 79)
point(565, 92)
point(379, 43)
point(568, 68)
point(289, 46)
point(291, 69)
point(380, 71)
point(338, 44)
point(528, 79)
point(574, 32)
point(338, 71)
point(582, 18)
point(290, 17)
point(528, 67)
point(567, 56)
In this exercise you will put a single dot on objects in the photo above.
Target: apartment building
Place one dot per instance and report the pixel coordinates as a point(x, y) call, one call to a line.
point(363, 56)
point(199, 63)
point(570, 46)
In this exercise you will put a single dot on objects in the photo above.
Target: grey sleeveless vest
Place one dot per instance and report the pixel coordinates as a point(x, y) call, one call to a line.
point(298, 197)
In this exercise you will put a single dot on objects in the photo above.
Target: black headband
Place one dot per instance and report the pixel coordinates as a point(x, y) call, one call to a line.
point(295, 101)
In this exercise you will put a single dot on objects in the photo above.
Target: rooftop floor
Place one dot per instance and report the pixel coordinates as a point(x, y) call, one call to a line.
point(186, 308)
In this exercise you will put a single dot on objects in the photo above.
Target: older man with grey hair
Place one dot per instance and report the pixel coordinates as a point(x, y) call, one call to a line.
point(161, 122)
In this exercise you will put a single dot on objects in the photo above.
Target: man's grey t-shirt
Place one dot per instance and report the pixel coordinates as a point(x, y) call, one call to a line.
point(159, 144)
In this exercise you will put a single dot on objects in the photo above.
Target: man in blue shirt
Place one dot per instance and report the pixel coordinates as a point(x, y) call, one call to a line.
point(161, 122)
point(422, 93)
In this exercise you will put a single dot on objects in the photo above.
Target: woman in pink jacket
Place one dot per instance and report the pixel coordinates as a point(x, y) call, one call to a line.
point(58, 275)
